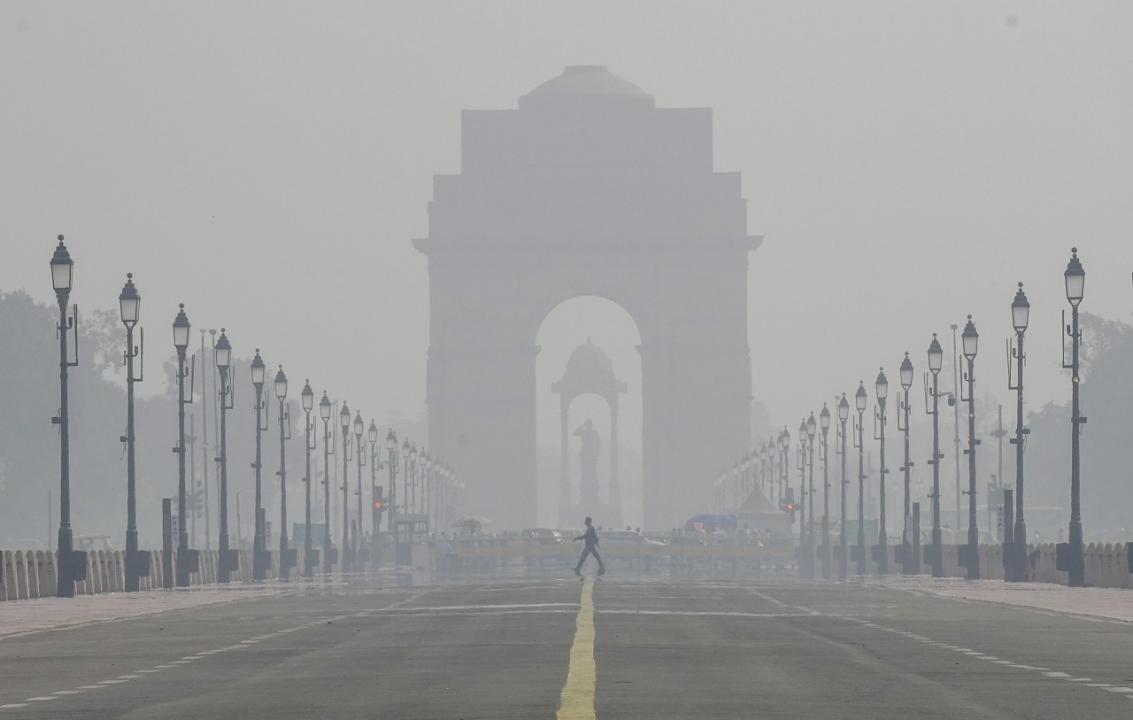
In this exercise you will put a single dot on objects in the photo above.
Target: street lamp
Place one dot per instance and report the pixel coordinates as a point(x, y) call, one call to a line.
point(307, 398)
point(223, 354)
point(843, 558)
point(824, 423)
point(1075, 277)
point(391, 462)
point(284, 436)
point(260, 557)
point(909, 561)
point(413, 476)
point(359, 461)
point(811, 431)
point(860, 402)
point(375, 512)
point(773, 468)
point(325, 413)
point(62, 276)
point(804, 562)
point(347, 551)
point(935, 361)
point(405, 476)
point(971, 339)
point(1017, 547)
point(881, 392)
point(181, 329)
point(785, 463)
point(129, 309)
point(810, 427)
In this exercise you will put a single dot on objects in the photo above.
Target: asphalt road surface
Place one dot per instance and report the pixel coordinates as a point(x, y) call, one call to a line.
point(614, 648)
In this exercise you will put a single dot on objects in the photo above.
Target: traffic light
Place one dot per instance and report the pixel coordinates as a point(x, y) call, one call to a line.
point(787, 504)
point(198, 504)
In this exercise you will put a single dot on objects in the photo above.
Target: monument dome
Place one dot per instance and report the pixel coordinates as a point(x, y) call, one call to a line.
point(582, 83)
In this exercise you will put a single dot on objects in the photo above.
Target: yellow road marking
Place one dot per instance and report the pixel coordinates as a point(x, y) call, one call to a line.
point(577, 699)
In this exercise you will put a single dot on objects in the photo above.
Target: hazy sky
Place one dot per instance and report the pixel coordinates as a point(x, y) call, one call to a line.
point(268, 163)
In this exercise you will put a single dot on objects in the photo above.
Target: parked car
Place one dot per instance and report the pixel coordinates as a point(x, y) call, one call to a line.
point(542, 536)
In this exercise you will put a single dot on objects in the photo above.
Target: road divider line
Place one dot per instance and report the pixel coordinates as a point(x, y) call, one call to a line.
point(577, 699)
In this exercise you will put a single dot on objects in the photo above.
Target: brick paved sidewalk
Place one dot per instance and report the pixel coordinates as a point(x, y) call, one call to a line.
point(1111, 603)
point(21, 617)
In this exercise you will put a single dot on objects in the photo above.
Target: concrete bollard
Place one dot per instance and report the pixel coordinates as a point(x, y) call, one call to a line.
point(20, 579)
point(117, 571)
point(94, 572)
point(50, 579)
point(34, 558)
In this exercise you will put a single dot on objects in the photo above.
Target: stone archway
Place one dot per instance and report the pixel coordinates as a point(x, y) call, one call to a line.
point(587, 189)
point(589, 370)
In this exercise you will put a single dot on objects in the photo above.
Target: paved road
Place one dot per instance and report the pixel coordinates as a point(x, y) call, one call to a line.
point(620, 648)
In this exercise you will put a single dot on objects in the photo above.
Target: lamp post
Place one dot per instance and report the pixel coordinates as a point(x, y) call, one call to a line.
point(909, 562)
point(259, 552)
point(129, 309)
point(344, 420)
point(391, 460)
point(843, 558)
point(359, 458)
point(308, 400)
point(785, 462)
point(935, 361)
point(62, 276)
point(804, 560)
point(1075, 278)
point(772, 448)
point(405, 477)
point(811, 431)
point(284, 436)
point(1020, 318)
point(824, 423)
point(426, 472)
point(956, 424)
point(413, 477)
point(881, 392)
point(375, 512)
point(223, 353)
point(181, 329)
point(970, 340)
point(325, 413)
point(859, 444)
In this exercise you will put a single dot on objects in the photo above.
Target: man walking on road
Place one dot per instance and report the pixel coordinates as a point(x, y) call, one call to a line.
point(590, 538)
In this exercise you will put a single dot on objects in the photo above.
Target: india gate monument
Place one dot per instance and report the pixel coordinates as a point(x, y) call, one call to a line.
point(587, 189)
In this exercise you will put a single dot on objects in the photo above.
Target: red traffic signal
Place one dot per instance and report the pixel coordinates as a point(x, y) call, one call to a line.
point(378, 505)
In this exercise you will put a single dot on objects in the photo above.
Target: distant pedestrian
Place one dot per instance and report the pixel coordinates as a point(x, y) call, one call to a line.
point(590, 541)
